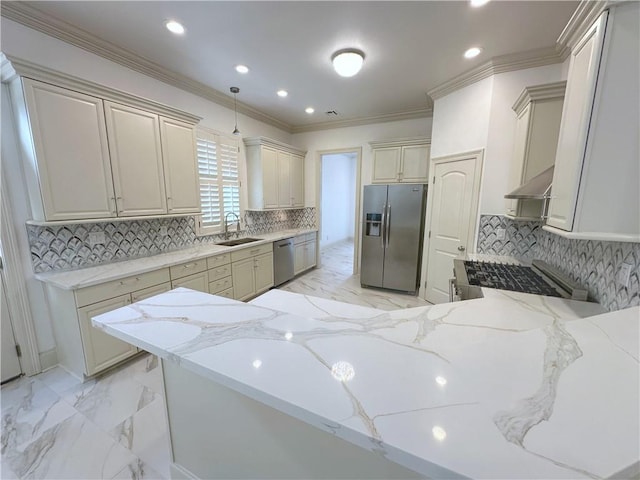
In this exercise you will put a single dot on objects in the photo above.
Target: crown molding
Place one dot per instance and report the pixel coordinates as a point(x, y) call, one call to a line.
point(356, 122)
point(401, 142)
point(584, 16)
point(13, 67)
point(270, 142)
point(501, 64)
point(31, 17)
point(539, 92)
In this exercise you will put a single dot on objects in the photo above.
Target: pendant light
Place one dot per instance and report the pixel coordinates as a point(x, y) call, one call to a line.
point(235, 90)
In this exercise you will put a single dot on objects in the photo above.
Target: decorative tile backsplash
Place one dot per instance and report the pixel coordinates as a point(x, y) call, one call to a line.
point(594, 264)
point(68, 247)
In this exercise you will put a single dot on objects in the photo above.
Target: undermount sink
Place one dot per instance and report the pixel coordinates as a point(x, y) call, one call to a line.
point(238, 241)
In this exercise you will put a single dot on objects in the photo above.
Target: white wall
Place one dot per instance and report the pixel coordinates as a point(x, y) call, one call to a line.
point(35, 47)
point(338, 198)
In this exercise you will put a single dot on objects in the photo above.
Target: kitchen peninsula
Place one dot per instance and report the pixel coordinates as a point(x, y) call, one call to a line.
point(507, 386)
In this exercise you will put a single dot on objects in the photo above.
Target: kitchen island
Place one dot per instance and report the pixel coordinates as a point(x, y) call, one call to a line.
point(507, 386)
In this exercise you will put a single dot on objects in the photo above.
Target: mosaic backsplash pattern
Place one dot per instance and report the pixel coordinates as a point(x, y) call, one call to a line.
point(68, 247)
point(592, 263)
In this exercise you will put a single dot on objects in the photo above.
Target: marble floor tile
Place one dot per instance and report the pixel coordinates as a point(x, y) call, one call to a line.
point(138, 470)
point(59, 380)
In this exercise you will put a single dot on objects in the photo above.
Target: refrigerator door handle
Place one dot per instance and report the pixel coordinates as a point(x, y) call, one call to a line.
point(388, 224)
point(384, 226)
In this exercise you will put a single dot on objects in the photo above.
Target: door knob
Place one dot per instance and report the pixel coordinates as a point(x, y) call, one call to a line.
point(461, 248)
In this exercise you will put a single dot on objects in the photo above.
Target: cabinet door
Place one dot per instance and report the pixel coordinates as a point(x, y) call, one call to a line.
point(72, 154)
point(517, 161)
point(269, 177)
point(180, 166)
point(136, 160)
point(198, 281)
point(415, 164)
point(296, 173)
point(574, 126)
point(284, 180)
point(100, 349)
point(386, 164)
point(263, 272)
point(309, 254)
point(298, 258)
point(242, 274)
point(150, 292)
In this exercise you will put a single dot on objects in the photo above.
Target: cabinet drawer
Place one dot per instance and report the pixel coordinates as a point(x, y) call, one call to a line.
point(213, 262)
point(220, 285)
point(150, 292)
point(197, 281)
point(188, 268)
point(220, 272)
point(251, 252)
point(309, 237)
point(300, 239)
point(226, 293)
point(96, 293)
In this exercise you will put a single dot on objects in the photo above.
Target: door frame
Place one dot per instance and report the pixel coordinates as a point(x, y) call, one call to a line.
point(478, 157)
point(356, 229)
point(16, 289)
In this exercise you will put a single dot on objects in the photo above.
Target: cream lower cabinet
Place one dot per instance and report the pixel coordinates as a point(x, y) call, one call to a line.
point(304, 252)
point(252, 271)
point(401, 161)
point(81, 348)
point(191, 275)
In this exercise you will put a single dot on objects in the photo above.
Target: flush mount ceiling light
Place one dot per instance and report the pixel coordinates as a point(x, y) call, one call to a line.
point(242, 69)
point(347, 62)
point(309, 110)
point(235, 91)
point(282, 93)
point(478, 3)
point(174, 27)
point(472, 52)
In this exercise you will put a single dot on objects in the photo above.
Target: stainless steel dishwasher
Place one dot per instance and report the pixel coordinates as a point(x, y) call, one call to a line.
point(283, 253)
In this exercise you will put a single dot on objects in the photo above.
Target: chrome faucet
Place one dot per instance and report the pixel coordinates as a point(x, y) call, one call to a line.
point(226, 224)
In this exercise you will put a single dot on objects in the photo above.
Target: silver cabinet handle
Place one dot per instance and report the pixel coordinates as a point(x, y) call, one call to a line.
point(461, 248)
point(452, 283)
point(129, 282)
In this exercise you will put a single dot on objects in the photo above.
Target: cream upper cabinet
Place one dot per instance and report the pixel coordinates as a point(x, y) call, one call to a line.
point(180, 166)
point(595, 191)
point(136, 160)
point(403, 160)
point(275, 173)
point(92, 152)
point(538, 110)
point(296, 171)
point(71, 178)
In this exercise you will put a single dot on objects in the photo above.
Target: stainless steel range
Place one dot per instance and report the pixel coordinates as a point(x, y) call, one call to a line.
point(540, 278)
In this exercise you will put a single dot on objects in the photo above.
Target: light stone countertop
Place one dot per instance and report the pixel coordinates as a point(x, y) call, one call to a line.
point(507, 386)
point(86, 277)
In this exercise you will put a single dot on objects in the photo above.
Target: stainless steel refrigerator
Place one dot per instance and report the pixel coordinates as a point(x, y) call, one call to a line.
point(393, 227)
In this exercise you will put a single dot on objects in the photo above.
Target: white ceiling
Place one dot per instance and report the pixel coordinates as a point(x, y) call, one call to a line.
point(410, 47)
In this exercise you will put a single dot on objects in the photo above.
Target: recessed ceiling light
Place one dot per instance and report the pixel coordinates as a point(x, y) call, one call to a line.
point(472, 52)
point(242, 69)
point(309, 110)
point(478, 3)
point(174, 27)
point(282, 93)
point(347, 62)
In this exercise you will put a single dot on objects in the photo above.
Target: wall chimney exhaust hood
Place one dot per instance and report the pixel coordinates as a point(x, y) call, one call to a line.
point(538, 188)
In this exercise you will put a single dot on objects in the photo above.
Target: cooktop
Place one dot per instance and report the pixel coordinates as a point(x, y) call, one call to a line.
point(517, 278)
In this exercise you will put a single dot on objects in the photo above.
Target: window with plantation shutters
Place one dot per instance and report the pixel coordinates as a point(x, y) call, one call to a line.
point(219, 179)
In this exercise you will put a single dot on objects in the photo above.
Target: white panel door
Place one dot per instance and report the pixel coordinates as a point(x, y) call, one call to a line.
point(415, 164)
point(136, 160)
point(180, 166)
point(10, 362)
point(451, 222)
point(574, 126)
point(386, 164)
point(263, 272)
point(296, 172)
point(243, 276)
point(70, 141)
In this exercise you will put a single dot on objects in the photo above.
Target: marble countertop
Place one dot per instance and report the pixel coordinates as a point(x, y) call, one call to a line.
point(507, 386)
point(86, 277)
